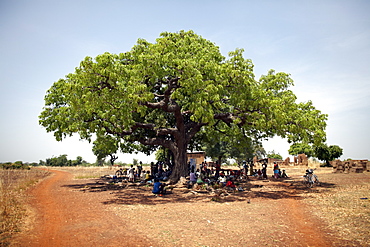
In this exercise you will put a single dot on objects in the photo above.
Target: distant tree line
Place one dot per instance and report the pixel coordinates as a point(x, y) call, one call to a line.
point(322, 152)
point(15, 165)
point(62, 160)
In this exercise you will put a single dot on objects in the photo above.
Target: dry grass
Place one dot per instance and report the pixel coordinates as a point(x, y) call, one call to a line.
point(13, 184)
point(343, 206)
point(87, 172)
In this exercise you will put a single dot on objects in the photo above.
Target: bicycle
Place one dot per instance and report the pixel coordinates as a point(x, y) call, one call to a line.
point(310, 179)
point(120, 172)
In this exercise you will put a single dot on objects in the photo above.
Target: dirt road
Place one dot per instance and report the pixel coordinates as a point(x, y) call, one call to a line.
point(64, 217)
point(68, 215)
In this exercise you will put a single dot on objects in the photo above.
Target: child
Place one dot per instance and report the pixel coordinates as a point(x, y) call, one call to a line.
point(222, 179)
point(193, 179)
point(131, 174)
point(143, 177)
point(284, 175)
point(147, 176)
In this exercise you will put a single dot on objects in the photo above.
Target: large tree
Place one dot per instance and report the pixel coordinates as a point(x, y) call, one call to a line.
point(164, 93)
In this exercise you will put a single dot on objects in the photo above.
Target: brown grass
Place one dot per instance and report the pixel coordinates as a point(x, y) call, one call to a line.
point(13, 184)
point(87, 172)
point(343, 206)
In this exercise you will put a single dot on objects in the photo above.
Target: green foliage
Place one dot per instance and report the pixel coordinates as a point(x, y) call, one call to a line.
point(105, 145)
point(273, 155)
point(301, 148)
point(223, 147)
point(259, 151)
point(160, 154)
point(172, 93)
point(63, 161)
point(335, 151)
point(328, 153)
point(135, 162)
point(15, 165)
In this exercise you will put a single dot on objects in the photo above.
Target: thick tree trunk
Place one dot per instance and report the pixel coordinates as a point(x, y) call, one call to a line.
point(170, 159)
point(219, 160)
point(180, 168)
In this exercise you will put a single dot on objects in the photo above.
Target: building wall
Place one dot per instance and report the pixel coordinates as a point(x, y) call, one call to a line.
point(196, 158)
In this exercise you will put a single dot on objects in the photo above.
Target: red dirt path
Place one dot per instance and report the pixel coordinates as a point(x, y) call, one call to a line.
point(68, 217)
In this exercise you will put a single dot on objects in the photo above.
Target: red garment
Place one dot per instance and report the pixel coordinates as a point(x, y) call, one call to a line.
point(230, 184)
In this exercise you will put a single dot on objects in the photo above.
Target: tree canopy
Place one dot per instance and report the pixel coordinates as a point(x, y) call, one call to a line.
point(328, 153)
point(167, 92)
point(273, 155)
point(301, 148)
point(62, 160)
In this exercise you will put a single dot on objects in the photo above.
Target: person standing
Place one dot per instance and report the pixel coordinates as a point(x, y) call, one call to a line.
point(131, 174)
point(245, 168)
point(139, 169)
point(152, 168)
point(276, 170)
point(251, 172)
point(218, 168)
point(264, 170)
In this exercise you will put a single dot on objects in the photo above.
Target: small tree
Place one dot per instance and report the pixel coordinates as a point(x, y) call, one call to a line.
point(223, 147)
point(135, 162)
point(78, 161)
point(273, 155)
point(301, 148)
point(105, 145)
point(328, 153)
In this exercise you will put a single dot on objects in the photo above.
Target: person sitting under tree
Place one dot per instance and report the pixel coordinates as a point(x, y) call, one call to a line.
point(158, 188)
point(147, 176)
point(284, 175)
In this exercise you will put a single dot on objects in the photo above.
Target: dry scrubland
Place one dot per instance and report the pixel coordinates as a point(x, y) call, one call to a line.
point(87, 172)
point(340, 201)
point(13, 185)
point(344, 205)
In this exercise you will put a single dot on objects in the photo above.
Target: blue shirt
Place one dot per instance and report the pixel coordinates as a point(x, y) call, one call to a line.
point(156, 187)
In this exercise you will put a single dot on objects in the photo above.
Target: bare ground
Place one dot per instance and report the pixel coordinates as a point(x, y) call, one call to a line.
point(91, 212)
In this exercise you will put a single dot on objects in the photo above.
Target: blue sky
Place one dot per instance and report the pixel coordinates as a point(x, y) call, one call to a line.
point(324, 45)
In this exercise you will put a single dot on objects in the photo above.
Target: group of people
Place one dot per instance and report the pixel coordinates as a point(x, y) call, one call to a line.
point(205, 175)
point(278, 173)
point(160, 170)
point(262, 173)
point(156, 172)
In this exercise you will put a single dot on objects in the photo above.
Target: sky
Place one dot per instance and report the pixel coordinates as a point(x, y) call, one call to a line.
point(323, 45)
